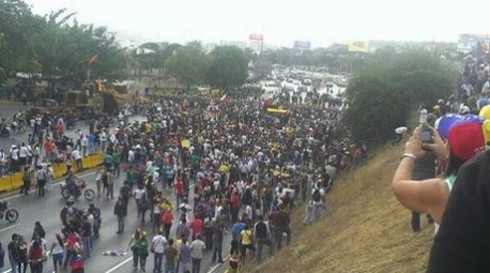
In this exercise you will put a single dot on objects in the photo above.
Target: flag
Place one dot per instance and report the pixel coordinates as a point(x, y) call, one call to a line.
point(94, 59)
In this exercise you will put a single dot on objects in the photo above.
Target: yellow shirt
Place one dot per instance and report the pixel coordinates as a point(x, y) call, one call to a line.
point(246, 237)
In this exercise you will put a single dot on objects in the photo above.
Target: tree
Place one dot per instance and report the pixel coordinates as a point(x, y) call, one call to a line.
point(188, 65)
point(381, 95)
point(229, 67)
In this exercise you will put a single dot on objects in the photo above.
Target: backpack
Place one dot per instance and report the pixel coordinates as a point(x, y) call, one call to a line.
point(317, 197)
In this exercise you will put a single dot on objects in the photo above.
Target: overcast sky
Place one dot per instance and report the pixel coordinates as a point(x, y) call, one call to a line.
point(281, 22)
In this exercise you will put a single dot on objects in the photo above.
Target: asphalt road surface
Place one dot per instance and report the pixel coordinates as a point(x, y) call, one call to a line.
point(46, 210)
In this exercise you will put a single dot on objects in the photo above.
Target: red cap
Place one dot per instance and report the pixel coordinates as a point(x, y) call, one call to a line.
point(466, 139)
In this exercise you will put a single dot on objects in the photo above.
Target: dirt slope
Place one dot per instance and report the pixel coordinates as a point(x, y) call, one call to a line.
point(367, 230)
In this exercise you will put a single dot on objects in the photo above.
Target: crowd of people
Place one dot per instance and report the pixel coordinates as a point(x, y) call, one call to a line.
point(206, 168)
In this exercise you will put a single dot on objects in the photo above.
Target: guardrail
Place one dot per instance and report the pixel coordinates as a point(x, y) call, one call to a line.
point(14, 181)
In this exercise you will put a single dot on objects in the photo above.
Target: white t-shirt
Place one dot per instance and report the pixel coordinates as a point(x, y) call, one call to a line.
point(159, 243)
point(401, 130)
point(23, 152)
point(138, 193)
point(76, 154)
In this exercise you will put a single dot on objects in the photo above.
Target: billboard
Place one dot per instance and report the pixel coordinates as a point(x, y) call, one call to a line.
point(256, 37)
point(302, 45)
point(472, 42)
point(358, 46)
point(256, 42)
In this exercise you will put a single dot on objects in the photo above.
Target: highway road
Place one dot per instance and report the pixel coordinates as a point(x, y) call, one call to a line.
point(46, 210)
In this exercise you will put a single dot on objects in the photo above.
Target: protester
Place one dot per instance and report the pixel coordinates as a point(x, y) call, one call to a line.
point(465, 139)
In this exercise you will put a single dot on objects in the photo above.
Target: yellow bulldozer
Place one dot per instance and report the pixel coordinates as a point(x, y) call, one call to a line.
point(101, 99)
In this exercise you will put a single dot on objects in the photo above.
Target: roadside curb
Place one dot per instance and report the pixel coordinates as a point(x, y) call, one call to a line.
point(6, 194)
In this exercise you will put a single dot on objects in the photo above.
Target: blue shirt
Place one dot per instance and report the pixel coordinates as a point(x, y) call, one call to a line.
point(185, 254)
point(237, 229)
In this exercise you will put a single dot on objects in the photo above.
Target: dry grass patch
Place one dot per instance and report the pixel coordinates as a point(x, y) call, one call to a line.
point(367, 230)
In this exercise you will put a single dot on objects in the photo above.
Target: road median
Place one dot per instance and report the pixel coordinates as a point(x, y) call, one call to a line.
point(13, 182)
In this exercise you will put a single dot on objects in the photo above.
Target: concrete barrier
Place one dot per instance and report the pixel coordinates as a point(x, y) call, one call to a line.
point(14, 181)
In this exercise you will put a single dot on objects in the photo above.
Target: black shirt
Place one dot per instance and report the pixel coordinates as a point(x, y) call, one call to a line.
point(260, 230)
point(462, 243)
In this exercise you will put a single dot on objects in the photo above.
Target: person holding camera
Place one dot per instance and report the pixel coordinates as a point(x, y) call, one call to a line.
point(465, 140)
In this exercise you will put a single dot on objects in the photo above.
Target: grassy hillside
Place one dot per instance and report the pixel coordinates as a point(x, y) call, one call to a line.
point(367, 230)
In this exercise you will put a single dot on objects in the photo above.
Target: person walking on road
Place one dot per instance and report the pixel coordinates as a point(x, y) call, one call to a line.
point(121, 211)
point(133, 245)
point(170, 253)
point(56, 252)
point(36, 255)
point(41, 177)
point(197, 248)
point(13, 253)
point(23, 254)
point(157, 248)
point(184, 256)
point(2, 258)
point(142, 246)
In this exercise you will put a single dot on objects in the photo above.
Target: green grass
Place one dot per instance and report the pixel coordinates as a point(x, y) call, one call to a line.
point(367, 230)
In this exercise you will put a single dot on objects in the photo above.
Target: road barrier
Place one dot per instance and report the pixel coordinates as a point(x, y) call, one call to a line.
point(14, 181)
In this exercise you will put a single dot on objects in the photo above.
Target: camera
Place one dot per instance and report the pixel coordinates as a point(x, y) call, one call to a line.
point(426, 135)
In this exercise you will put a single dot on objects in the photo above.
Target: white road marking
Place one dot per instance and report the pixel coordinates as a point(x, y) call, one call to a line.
point(212, 269)
point(9, 227)
point(53, 185)
point(119, 265)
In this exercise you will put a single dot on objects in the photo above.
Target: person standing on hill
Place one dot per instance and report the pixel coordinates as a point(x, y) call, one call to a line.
point(400, 132)
point(424, 168)
point(282, 225)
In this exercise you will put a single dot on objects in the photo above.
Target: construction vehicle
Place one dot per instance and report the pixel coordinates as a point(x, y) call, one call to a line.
point(96, 97)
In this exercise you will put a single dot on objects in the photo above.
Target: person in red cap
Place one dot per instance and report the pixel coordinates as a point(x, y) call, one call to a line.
point(465, 140)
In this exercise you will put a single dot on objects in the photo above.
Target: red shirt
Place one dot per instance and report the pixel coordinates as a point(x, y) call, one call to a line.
point(36, 253)
point(179, 188)
point(167, 217)
point(196, 226)
point(235, 200)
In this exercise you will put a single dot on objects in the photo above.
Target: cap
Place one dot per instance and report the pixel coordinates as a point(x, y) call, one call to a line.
point(466, 139)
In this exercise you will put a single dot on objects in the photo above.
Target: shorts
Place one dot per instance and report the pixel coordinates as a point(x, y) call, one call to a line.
point(58, 258)
point(233, 265)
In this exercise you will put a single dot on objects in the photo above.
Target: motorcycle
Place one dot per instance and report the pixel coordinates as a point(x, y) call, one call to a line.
point(82, 189)
point(11, 215)
point(5, 130)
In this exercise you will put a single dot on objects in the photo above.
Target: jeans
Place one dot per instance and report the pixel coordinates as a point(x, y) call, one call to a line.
point(183, 267)
point(117, 169)
point(157, 261)
point(169, 268)
point(87, 245)
point(279, 236)
point(40, 187)
point(120, 223)
point(14, 265)
point(96, 228)
point(217, 253)
point(260, 245)
point(143, 257)
point(196, 265)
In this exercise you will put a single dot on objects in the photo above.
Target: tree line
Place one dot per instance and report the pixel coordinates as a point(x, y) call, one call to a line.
point(57, 46)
